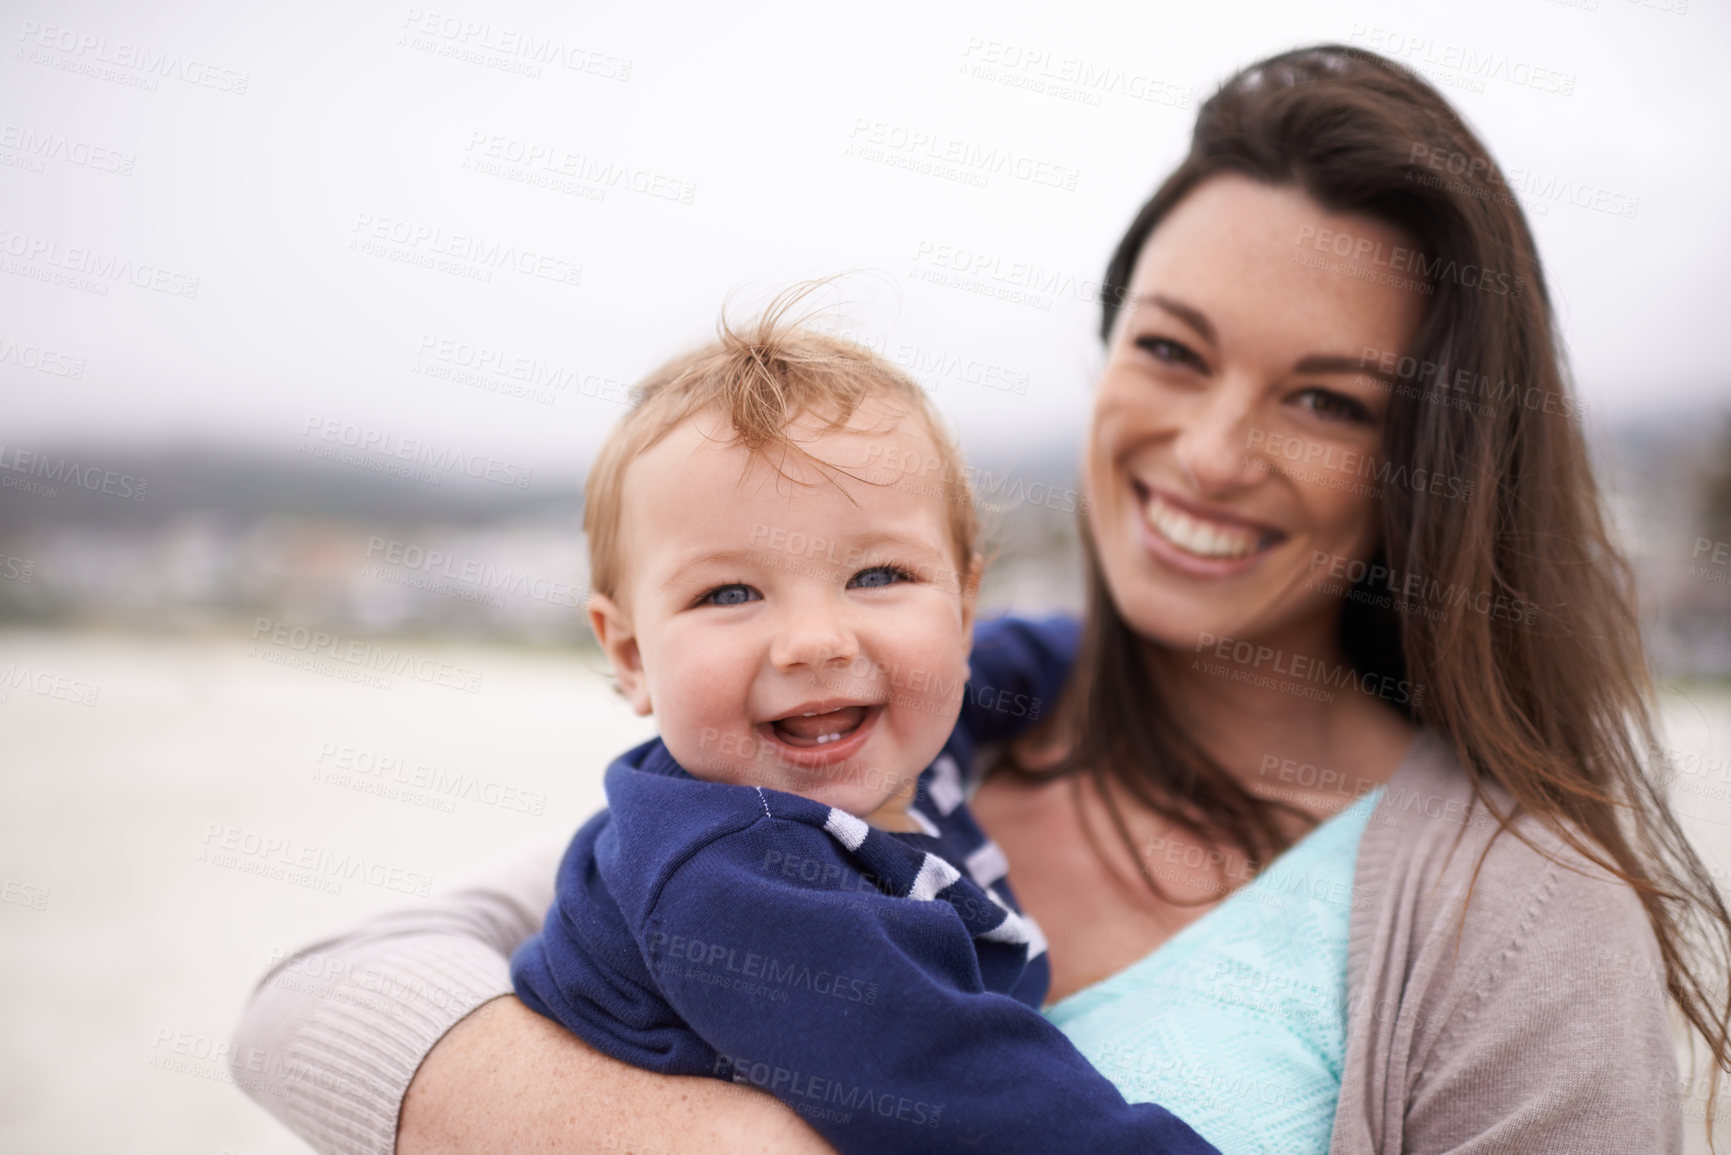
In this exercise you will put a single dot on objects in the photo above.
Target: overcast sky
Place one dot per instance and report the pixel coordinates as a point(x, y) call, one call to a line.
point(232, 223)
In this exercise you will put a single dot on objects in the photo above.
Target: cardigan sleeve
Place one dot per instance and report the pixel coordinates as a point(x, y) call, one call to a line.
point(333, 1034)
point(1556, 1041)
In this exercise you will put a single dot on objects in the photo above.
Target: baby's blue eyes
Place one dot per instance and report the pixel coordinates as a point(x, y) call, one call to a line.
point(878, 576)
point(738, 593)
point(733, 595)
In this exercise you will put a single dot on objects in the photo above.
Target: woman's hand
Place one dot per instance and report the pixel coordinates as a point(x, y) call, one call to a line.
point(506, 1079)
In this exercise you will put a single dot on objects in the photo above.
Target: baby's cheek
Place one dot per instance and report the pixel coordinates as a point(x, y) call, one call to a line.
point(939, 699)
point(719, 753)
point(697, 722)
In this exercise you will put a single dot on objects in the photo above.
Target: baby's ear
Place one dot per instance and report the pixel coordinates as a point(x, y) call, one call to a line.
point(612, 627)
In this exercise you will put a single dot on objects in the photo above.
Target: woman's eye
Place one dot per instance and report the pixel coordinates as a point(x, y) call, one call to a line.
point(877, 576)
point(1332, 406)
point(731, 595)
point(1168, 351)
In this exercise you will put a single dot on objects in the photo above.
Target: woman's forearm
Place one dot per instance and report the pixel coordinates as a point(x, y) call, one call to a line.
point(333, 1034)
point(506, 1079)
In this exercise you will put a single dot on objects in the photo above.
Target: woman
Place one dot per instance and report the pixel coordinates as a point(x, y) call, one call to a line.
point(1343, 544)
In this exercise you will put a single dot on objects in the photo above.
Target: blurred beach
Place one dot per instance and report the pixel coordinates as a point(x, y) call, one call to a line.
point(142, 843)
point(143, 836)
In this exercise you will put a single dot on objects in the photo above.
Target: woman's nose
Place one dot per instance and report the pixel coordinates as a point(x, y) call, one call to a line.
point(1213, 447)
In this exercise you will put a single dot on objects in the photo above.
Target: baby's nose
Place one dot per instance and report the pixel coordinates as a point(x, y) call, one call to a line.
point(815, 640)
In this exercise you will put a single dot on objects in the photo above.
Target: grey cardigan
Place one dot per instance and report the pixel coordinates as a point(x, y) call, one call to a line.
point(1537, 1024)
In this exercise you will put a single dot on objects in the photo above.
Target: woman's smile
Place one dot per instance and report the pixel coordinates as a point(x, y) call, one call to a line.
point(1204, 542)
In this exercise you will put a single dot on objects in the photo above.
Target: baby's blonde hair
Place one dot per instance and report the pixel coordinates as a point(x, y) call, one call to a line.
point(763, 378)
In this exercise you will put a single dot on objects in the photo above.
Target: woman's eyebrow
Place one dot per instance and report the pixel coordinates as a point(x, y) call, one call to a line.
point(1189, 314)
point(1335, 363)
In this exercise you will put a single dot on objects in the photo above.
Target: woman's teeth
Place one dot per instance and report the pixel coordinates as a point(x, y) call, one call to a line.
point(1210, 539)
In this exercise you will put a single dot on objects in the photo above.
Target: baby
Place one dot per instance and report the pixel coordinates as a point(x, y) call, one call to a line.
point(787, 888)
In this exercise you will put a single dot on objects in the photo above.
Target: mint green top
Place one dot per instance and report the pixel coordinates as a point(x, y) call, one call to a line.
point(1237, 1024)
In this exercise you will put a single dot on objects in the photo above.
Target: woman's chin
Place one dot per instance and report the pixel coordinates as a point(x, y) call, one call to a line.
point(1189, 616)
point(1185, 625)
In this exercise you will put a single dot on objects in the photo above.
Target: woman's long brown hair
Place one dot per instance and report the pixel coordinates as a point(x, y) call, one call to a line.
point(1554, 703)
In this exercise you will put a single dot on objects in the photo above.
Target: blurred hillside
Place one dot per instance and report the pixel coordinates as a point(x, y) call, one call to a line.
point(1668, 485)
point(191, 540)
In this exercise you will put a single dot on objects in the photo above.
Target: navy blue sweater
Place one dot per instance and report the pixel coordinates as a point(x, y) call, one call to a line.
point(884, 985)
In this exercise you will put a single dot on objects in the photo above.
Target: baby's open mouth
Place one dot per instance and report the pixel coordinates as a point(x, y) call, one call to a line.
point(819, 729)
